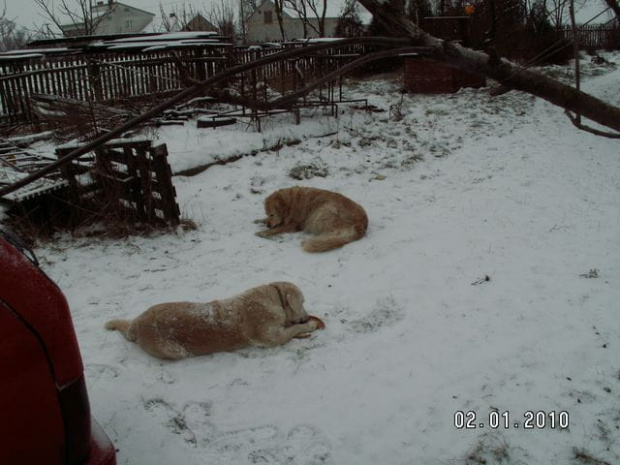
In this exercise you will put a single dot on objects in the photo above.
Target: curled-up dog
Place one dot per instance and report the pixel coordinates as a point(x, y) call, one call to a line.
point(334, 219)
point(267, 315)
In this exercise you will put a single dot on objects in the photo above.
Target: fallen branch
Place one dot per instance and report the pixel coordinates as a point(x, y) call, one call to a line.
point(289, 100)
point(194, 90)
point(579, 125)
point(501, 70)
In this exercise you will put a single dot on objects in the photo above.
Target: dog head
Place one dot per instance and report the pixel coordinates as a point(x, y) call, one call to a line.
point(277, 210)
point(292, 301)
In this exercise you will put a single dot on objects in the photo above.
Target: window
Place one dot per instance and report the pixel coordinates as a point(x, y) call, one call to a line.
point(128, 24)
point(268, 17)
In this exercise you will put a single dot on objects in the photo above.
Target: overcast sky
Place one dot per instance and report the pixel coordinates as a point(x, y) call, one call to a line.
point(27, 13)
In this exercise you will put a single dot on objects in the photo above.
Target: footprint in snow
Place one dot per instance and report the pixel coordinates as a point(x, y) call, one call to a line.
point(95, 371)
point(190, 423)
point(303, 445)
point(385, 312)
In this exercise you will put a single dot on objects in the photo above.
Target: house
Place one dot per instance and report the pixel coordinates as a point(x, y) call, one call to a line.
point(263, 24)
point(111, 17)
point(197, 23)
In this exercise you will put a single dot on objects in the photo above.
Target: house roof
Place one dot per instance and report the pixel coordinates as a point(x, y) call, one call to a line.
point(177, 26)
point(103, 9)
point(117, 42)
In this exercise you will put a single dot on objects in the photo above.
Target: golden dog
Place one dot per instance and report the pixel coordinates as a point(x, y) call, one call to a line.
point(332, 217)
point(267, 315)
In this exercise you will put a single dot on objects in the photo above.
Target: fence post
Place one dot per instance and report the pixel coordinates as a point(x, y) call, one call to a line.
point(163, 173)
point(94, 78)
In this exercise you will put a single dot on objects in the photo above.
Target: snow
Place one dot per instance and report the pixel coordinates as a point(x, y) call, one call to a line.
point(171, 36)
point(489, 280)
point(159, 45)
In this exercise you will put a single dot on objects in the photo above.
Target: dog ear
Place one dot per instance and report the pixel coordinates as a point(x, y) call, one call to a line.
point(281, 291)
point(276, 204)
point(291, 300)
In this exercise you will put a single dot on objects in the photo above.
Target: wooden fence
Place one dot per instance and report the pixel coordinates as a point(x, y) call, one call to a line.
point(125, 182)
point(111, 77)
point(595, 37)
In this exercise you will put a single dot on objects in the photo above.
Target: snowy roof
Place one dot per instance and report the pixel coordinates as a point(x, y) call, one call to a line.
point(170, 36)
point(32, 53)
point(147, 42)
point(101, 10)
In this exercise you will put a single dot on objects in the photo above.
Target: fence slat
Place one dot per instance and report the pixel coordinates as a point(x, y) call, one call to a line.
point(109, 77)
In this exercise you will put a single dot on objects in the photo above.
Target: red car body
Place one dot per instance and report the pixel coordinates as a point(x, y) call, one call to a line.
point(44, 407)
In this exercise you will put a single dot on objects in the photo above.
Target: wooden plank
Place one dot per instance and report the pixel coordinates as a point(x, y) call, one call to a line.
point(164, 178)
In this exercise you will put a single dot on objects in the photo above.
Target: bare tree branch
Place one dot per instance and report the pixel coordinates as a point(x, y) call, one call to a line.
point(222, 16)
point(312, 14)
point(191, 92)
point(78, 13)
point(278, 6)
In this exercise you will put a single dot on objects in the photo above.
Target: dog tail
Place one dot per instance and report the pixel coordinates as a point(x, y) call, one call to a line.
point(333, 239)
point(124, 327)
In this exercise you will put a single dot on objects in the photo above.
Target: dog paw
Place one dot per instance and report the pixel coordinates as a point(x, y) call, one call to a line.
point(319, 324)
point(264, 234)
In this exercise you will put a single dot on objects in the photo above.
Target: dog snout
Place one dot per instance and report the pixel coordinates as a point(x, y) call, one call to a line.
point(298, 321)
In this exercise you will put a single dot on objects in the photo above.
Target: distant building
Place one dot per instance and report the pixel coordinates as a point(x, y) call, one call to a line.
point(197, 23)
point(111, 17)
point(263, 24)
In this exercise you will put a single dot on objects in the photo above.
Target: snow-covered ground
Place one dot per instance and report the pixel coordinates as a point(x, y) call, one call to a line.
point(489, 281)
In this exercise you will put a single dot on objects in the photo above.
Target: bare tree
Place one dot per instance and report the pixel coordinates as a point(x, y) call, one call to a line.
point(78, 13)
point(168, 20)
point(11, 36)
point(279, 9)
point(501, 70)
point(558, 11)
point(349, 23)
point(178, 18)
point(312, 14)
point(246, 10)
point(222, 16)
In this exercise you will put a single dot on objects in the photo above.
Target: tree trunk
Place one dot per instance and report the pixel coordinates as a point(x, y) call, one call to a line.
point(501, 70)
point(614, 5)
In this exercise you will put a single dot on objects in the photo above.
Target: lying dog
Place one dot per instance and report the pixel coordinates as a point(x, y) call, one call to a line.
point(267, 315)
point(332, 217)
